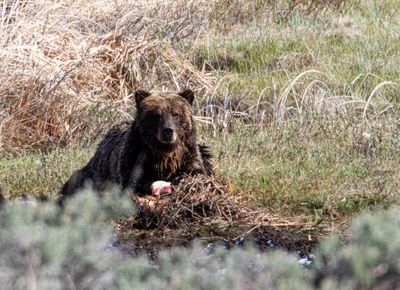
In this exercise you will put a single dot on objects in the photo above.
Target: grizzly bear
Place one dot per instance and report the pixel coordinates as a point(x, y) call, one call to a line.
point(159, 144)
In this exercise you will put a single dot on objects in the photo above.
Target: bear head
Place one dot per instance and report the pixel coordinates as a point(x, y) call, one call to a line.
point(164, 119)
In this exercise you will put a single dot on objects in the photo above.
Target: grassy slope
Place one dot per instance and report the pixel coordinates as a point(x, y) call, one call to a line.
point(316, 161)
point(363, 39)
point(316, 166)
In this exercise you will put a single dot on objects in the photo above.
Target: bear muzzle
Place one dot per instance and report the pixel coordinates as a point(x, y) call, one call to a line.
point(167, 136)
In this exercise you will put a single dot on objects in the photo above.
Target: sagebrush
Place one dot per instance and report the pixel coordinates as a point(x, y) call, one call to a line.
point(42, 247)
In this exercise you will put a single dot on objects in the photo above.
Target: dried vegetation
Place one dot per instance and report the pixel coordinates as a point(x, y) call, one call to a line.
point(201, 200)
point(63, 64)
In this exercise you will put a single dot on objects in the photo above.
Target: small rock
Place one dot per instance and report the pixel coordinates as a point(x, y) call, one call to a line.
point(270, 244)
point(307, 260)
point(304, 262)
point(210, 248)
point(240, 241)
point(227, 245)
point(112, 246)
point(257, 240)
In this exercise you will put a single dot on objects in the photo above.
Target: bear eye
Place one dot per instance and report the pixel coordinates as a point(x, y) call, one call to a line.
point(175, 115)
point(156, 116)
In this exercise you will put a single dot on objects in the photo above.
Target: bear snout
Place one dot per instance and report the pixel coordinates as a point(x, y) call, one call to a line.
point(168, 135)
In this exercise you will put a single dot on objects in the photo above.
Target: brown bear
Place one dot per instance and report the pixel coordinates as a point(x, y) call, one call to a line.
point(159, 144)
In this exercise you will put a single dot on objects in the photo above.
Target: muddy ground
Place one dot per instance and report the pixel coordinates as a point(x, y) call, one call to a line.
point(265, 238)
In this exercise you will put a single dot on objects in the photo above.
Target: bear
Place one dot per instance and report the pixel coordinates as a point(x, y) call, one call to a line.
point(159, 144)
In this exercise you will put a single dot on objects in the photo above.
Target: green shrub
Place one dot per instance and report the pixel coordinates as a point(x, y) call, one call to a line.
point(43, 247)
point(370, 261)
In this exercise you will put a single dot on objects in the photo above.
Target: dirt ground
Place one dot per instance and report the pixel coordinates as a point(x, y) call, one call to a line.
point(265, 238)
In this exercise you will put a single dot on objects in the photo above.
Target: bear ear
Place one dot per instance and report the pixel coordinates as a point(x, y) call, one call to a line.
point(188, 95)
point(140, 95)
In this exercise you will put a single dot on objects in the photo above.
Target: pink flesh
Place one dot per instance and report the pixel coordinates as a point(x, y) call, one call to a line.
point(161, 190)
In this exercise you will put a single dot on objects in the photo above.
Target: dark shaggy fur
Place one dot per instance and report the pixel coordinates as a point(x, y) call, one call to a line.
point(160, 144)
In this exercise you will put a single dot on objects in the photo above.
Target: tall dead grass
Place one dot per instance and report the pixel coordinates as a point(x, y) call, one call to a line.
point(309, 93)
point(64, 62)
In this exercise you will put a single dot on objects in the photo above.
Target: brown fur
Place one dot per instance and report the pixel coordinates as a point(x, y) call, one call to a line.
point(160, 144)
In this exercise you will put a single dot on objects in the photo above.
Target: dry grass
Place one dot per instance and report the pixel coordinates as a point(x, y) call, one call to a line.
point(309, 93)
point(63, 62)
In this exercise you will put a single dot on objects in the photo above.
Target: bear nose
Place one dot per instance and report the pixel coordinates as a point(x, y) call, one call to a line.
point(168, 132)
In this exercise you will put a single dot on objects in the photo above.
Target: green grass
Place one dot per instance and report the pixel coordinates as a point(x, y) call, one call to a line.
point(38, 174)
point(363, 39)
point(313, 166)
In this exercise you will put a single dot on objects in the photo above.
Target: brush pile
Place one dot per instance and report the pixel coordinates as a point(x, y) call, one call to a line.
point(205, 208)
point(199, 201)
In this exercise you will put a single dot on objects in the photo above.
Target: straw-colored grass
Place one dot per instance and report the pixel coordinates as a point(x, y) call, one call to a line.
point(63, 63)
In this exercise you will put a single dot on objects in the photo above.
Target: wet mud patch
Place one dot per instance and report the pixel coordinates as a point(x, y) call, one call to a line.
point(205, 210)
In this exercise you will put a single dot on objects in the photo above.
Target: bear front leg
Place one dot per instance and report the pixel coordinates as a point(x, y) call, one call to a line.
point(136, 174)
point(197, 168)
